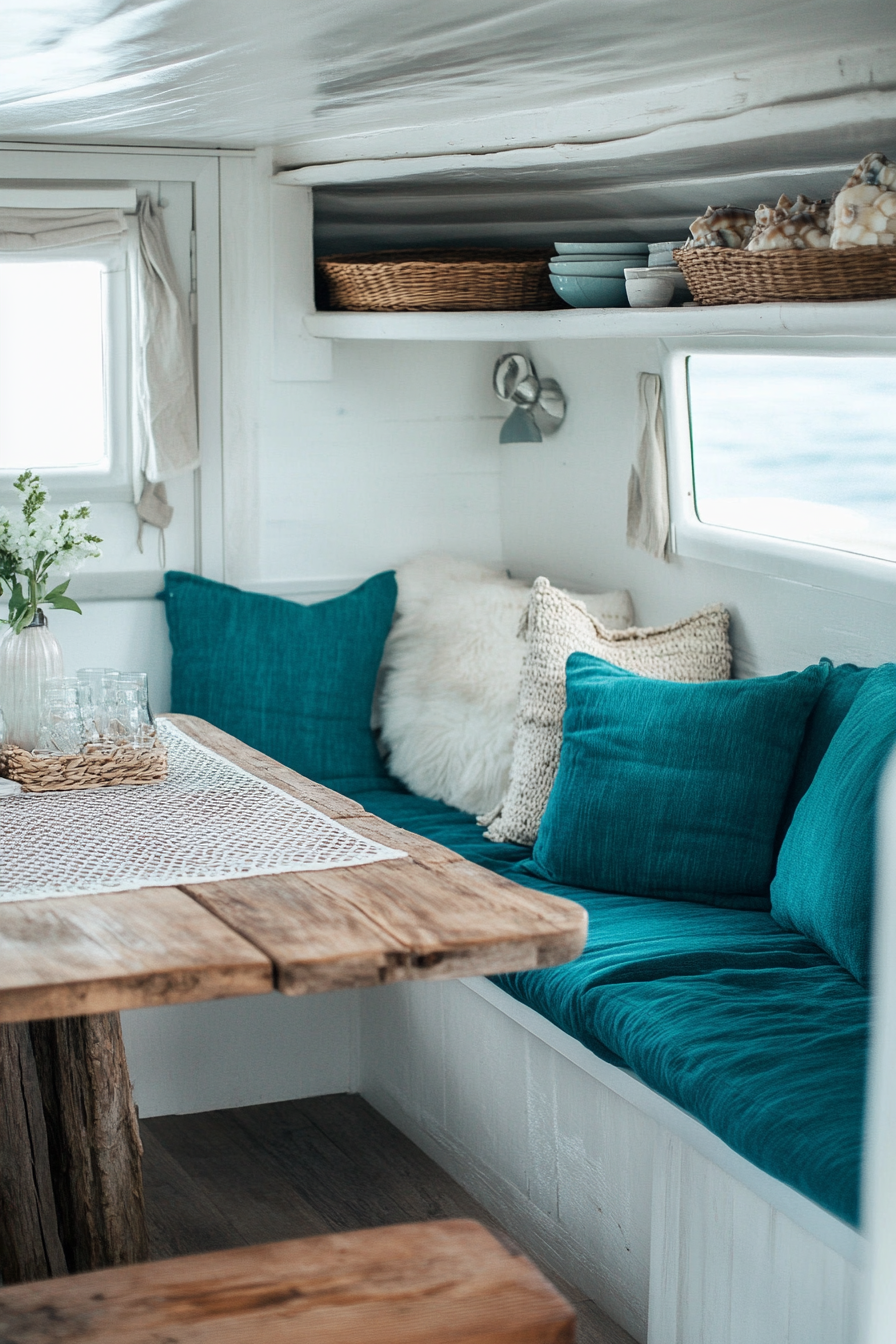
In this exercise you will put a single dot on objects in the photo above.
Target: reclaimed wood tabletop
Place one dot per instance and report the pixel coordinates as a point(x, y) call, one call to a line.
point(429, 916)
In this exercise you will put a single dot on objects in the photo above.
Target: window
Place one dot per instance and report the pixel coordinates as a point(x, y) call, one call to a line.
point(52, 366)
point(64, 349)
point(799, 447)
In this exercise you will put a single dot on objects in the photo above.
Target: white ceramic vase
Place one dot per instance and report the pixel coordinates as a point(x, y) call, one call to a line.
point(27, 660)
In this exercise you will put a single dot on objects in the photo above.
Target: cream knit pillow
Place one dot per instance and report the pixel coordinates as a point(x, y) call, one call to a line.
point(695, 649)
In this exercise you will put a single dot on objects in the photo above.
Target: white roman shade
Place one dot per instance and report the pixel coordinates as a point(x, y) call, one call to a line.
point(23, 230)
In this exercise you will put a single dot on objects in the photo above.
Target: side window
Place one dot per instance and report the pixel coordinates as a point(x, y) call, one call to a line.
point(796, 447)
point(63, 361)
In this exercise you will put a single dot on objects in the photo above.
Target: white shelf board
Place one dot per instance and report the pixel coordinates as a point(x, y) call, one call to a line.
point(872, 318)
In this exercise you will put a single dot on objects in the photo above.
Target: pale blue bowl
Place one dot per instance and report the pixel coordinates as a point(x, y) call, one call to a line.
point(601, 266)
point(604, 249)
point(586, 291)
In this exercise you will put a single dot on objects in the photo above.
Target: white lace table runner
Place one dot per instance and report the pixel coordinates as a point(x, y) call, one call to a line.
point(208, 821)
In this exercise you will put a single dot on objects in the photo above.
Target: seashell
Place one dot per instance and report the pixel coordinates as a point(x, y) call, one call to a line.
point(722, 226)
point(863, 215)
point(790, 225)
point(875, 170)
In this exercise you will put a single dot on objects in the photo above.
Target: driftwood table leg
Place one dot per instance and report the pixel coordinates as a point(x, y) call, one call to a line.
point(93, 1140)
point(29, 1241)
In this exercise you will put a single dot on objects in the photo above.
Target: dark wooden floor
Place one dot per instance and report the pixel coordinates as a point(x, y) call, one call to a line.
point(298, 1169)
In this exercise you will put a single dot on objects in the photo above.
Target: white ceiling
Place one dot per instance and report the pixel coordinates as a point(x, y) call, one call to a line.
point(339, 79)
point(675, 103)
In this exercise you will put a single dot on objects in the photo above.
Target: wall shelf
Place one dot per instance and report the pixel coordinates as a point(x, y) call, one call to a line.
point(871, 318)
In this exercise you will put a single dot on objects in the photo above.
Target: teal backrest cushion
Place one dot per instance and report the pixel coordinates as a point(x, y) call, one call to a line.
point(824, 885)
point(294, 681)
point(670, 789)
point(831, 708)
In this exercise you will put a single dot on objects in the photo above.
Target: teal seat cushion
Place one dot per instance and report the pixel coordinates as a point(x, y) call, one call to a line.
point(749, 1027)
point(293, 681)
point(673, 790)
point(824, 885)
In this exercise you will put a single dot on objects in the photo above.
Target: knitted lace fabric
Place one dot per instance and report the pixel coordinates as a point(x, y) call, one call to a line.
point(209, 820)
point(695, 649)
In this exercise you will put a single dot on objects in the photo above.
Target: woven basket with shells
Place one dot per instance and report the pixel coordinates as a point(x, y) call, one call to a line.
point(88, 769)
point(800, 251)
point(726, 275)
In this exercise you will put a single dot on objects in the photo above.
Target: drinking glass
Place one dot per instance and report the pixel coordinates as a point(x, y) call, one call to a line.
point(135, 714)
point(60, 732)
point(92, 699)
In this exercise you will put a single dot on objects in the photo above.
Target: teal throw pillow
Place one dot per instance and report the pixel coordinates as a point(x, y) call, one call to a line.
point(671, 789)
point(293, 681)
point(824, 886)
point(831, 708)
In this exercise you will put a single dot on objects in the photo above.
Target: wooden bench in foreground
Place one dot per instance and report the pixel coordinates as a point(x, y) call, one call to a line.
point(432, 1283)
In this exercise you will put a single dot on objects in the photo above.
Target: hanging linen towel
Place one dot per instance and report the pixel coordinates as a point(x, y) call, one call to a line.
point(165, 422)
point(648, 489)
point(210, 820)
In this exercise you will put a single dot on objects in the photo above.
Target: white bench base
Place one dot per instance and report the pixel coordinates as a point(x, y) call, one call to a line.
point(673, 1234)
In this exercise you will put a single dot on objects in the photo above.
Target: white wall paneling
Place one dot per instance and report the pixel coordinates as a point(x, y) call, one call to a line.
point(240, 1052)
point(297, 356)
point(397, 455)
point(675, 1236)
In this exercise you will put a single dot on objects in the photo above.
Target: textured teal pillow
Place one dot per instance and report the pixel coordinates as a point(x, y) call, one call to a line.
point(672, 789)
point(294, 681)
point(824, 885)
point(840, 690)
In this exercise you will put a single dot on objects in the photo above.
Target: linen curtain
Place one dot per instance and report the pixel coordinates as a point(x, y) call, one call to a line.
point(165, 429)
point(648, 489)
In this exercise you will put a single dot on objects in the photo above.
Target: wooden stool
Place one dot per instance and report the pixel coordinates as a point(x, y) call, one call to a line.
point(440, 1282)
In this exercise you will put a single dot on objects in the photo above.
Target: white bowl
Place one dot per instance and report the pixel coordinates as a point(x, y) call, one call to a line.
point(681, 293)
point(653, 293)
point(665, 247)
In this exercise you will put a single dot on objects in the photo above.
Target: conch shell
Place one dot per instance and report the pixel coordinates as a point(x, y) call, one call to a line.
point(863, 213)
point(722, 226)
point(875, 170)
point(790, 225)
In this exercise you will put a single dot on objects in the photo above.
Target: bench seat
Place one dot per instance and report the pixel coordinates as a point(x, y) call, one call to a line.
point(415, 1283)
point(748, 1027)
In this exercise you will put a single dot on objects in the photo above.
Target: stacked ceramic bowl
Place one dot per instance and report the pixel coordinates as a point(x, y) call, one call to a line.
point(592, 275)
point(658, 283)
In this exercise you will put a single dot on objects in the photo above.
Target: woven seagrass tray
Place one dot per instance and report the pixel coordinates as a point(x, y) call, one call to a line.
point(439, 280)
point(723, 275)
point(89, 770)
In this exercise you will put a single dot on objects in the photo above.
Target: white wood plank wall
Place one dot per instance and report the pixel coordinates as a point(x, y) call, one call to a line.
point(673, 1247)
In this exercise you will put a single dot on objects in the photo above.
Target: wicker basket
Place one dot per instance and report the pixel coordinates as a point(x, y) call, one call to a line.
point(439, 280)
point(723, 275)
point(90, 770)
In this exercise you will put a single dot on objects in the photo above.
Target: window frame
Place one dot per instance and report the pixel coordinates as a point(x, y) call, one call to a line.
point(81, 170)
point(797, 561)
point(114, 483)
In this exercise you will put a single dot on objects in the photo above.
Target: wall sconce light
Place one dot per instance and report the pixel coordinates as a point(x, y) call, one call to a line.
point(539, 406)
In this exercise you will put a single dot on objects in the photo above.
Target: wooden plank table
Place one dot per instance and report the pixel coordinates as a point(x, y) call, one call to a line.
point(67, 965)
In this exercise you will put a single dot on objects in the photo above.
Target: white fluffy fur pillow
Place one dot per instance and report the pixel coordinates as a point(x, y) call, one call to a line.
point(451, 676)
